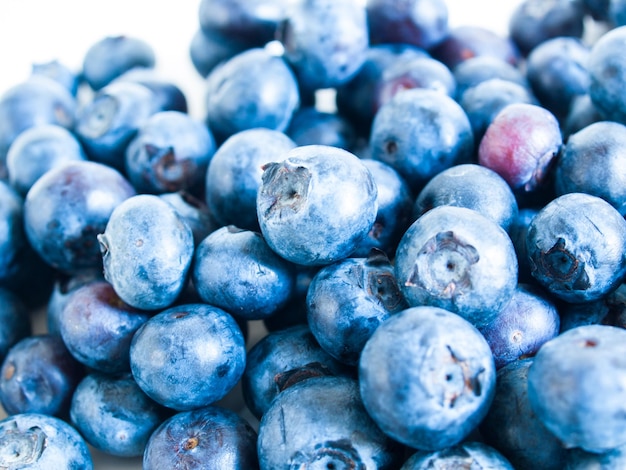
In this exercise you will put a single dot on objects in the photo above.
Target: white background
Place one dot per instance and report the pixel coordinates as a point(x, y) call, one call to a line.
point(34, 31)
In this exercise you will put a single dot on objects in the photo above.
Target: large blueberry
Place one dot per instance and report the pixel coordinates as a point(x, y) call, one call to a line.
point(41, 442)
point(147, 250)
point(576, 246)
point(316, 205)
point(427, 377)
point(66, 209)
point(458, 259)
point(321, 423)
point(188, 356)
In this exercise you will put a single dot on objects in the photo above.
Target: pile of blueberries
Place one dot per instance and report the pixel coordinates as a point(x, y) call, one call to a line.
point(436, 260)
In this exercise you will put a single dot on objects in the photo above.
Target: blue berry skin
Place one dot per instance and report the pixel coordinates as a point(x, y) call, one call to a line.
point(427, 377)
point(466, 185)
point(207, 49)
point(471, 72)
point(15, 322)
point(576, 246)
point(66, 209)
point(167, 96)
point(310, 126)
point(525, 323)
point(37, 100)
point(207, 437)
point(41, 442)
point(13, 241)
point(252, 89)
point(188, 356)
point(39, 375)
point(106, 124)
point(236, 270)
point(194, 211)
point(325, 41)
point(348, 300)
point(578, 459)
point(423, 23)
point(421, 132)
point(395, 203)
point(575, 387)
point(171, 152)
point(592, 162)
point(317, 205)
point(235, 174)
point(111, 56)
point(606, 71)
point(321, 423)
point(609, 310)
point(38, 149)
point(97, 327)
point(147, 249)
point(582, 112)
point(58, 72)
point(558, 67)
point(457, 259)
point(463, 455)
point(512, 427)
point(114, 415)
point(281, 359)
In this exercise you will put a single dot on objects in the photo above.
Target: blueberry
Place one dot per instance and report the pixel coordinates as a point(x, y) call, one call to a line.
point(147, 249)
point(59, 72)
point(39, 375)
point(41, 442)
point(609, 310)
point(427, 377)
point(13, 240)
point(582, 112)
point(578, 459)
point(471, 72)
point(114, 415)
point(575, 387)
point(464, 455)
point(518, 231)
point(575, 246)
point(208, 49)
point(310, 126)
point(458, 259)
point(188, 356)
point(167, 95)
point(236, 270)
point(66, 209)
point(421, 132)
point(15, 322)
point(194, 211)
point(206, 437)
point(321, 423)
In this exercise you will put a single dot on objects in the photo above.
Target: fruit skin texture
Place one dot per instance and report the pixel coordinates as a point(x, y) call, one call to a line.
point(206, 437)
point(457, 259)
point(576, 245)
point(427, 377)
point(316, 205)
point(41, 442)
point(147, 250)
point(463, 455)
point(15, 323)
point(575, 387)
point(188, 356)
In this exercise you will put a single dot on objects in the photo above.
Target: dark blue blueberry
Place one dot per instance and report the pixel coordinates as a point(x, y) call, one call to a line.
point(281, 359)
point(575, 387)
point(325, 41)
point(423, 23)
point(39, 375)
point(252, 89)
point(512, 427)
point(236, 270)
point(167, 95)
point(38, 149)
point(235, 174)
point(106, 124)
point(188, 356)
point(533, 22)
point(464, 455)
point(421, 132)
point(348, 300)
point(427, 377)
point(592, 161)
point(15, 321)
point(194, 212)
point(97, 327)
point(171, 152)
point(609, 310)
point(59, 72)
point(582, 112)
point(517, 232)
point(66, 209)
point(576, 246)
point(321, 423)
point(208, 49)
point(597, 9)
point(41, 442)
point(317, 204)
point(13, 241)
point(111, 56)
point(457, 259)
point(114, 415)
point(472, 186)
point(471, 72)
point(147, 250)
point(207, 437)
point(310, 126)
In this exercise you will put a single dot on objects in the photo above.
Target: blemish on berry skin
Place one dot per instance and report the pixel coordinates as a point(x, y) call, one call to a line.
point(9, 372)
point(590, 343)
point(191, 443)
